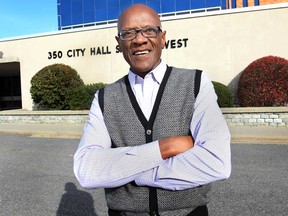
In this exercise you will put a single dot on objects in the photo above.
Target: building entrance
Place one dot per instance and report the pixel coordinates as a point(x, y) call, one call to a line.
point(10, 86)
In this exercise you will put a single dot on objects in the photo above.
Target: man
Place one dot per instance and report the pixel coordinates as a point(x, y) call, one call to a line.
point(156, 138)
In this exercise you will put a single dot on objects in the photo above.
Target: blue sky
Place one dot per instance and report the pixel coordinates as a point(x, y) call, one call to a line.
point(25, 17)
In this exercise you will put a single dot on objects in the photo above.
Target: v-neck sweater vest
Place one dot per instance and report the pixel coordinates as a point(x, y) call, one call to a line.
point(127, 126)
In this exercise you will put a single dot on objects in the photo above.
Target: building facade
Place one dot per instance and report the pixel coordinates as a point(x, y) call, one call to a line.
point(222, 43)
point(84, 13)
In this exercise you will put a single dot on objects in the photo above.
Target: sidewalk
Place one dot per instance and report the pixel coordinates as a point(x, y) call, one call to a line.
point(249, 135)
point(43, 130)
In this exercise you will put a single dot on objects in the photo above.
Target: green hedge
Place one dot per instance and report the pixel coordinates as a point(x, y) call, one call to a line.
point(51, 86)
point(82, 97)
point(225, 95)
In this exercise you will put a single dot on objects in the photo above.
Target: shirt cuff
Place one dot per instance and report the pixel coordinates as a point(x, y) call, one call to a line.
point(149, 153)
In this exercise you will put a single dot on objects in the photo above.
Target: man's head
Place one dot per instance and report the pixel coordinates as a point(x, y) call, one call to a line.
point(141, 53)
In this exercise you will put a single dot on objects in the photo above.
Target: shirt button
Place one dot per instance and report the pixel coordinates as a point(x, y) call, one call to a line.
point(148, 132)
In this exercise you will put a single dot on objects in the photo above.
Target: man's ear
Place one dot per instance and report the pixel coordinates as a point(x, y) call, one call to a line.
point(118, 41)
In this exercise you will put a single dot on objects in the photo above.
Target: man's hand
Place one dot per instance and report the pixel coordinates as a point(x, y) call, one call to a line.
point(175, 145)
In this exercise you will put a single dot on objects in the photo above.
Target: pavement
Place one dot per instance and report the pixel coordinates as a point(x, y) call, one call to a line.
point(239, 134)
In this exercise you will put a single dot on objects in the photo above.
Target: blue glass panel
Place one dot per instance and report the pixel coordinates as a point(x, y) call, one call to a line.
point(125, 4)
point(100, 15)
point(245, 3)
point(66, 20)
point(182, 5)
point(223, 4)
point(59, 23)
point(112, 3)
point(213, 3)
point(100, 4)
point(88, 5)
point(167, 6)
point(113, 9)
point(88, 11)
point(139, 1)
point(100, 10)
point(89, 17)
point(65, 7)
point(155, 4)
point(77, 12)
point(233, 3)
point(113, 13)
point(196, 4)
point(58, 9)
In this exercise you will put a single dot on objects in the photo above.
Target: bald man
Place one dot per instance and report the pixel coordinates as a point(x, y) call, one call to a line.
point(156, 138)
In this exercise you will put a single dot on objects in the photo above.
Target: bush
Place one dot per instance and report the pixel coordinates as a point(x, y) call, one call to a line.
point(82, 97)
point(225, 95)
point(264, 82)
point(51, 86)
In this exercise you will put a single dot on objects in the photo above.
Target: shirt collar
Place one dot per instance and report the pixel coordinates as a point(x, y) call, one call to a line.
point(157, 73)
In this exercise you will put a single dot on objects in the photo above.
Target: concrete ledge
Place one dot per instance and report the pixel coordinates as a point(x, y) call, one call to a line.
point(241, 110)
point(69, 124)
point(257, 116)
point(44, 117)
point(247, 116)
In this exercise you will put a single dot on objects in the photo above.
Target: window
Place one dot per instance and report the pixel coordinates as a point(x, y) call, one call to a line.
point(88, 10)
point(77, 12)
point(182, 5)
point(167, 6)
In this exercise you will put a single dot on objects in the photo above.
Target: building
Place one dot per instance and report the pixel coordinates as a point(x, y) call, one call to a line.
point(84, 13)
point(221, 42)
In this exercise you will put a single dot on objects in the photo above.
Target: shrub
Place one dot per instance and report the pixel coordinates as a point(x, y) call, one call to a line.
point(264, 82)
point(82, 97)
point(225, 95)
point(51, 86)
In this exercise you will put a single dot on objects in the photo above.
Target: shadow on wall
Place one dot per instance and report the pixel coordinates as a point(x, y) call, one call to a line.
point(75, 202)
point(233, 85)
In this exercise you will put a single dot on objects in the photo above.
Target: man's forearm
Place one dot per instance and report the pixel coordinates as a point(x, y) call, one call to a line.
point(175, 145)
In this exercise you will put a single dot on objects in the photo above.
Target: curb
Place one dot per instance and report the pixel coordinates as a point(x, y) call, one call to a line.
point(259, 140)
point(75, 135)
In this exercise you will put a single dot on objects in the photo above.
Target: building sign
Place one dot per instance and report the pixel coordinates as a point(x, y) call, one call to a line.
point(106, 50)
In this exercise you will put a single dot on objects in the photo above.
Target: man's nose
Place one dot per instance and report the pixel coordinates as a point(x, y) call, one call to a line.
point(140, 38)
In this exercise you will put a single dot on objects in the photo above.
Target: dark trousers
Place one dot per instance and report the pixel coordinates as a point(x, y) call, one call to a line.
point(199, 211)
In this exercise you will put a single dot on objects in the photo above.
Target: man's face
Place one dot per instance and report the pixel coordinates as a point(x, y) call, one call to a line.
point(142, 54)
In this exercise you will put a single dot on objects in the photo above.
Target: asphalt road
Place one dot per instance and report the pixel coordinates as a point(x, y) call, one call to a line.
point(36, 178)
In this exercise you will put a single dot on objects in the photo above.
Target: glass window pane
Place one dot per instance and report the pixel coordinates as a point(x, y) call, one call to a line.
point(196, 4)
point(88, 5)
point(139, 2)
point(66, 20)
point(213, 3)
point(100, 10)
point(125, 4)
point(155, 4)
point(100, 14)
point(77, 12)
point(89, 17)
point(182, 5)
point(88, 11)
point(100, 4)
point(167, 6)
point(113, 13)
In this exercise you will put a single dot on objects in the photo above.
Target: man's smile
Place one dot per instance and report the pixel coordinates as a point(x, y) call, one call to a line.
point(142, 52)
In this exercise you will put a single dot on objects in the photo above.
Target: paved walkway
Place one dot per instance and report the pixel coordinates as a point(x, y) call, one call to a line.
point(261, 135)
